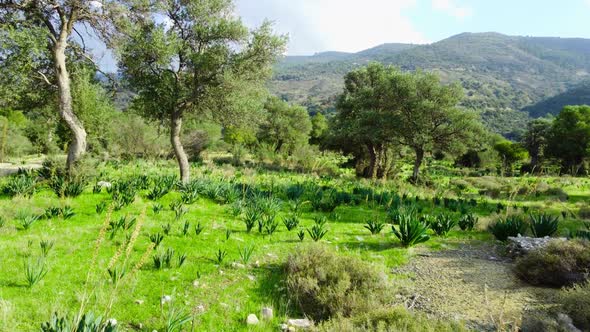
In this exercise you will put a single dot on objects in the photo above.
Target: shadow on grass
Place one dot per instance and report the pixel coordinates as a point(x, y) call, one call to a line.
point(272, 289)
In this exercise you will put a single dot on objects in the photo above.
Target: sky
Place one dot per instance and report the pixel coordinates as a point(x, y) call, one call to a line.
point(316, 26)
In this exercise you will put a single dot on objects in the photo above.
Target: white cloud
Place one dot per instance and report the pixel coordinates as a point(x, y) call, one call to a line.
point(451, 8)
point(335, 25)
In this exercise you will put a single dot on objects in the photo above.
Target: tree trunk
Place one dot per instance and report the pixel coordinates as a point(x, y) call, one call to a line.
point(417, 163)
point(373, 161)
point(181, 158)
point(78, 144)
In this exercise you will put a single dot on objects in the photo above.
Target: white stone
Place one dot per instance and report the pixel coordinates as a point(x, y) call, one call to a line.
point(267, 313)
point(165, 299)
point(284, 327)
point(251, 277)
point(237, 265)
point(196, 283)
point(139, 302)
point(252, 319)
point(302, 323)
point(104, 184)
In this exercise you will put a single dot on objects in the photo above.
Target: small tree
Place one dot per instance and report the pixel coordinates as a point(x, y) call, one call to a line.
point(569, 138)
point(201, 60)
point(535, 140)
point(285, 126)
point(509, 153)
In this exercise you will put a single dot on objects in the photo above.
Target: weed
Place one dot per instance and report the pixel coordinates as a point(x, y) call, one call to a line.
point(375, 226)
point(199, 228)
point(46, 246)
point(220, 256)
point(156, 239)
point(301, 235)
point(35, 271)
point(467, 222)
point(185, 228)
point(291, 222)
point(246, 253)
point(443, 224)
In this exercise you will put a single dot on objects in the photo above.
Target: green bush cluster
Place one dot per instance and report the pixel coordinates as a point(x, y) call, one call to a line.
point(560, 263)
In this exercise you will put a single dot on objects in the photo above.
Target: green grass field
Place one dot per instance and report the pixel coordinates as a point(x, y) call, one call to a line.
point(217, 296)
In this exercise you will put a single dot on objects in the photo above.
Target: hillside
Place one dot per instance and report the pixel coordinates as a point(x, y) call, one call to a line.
point(503, 76)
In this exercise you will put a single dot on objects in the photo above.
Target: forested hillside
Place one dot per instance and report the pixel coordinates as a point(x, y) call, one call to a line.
point(503, 76)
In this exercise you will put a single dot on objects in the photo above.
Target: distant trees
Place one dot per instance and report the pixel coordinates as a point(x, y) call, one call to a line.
point(284, 126)
point(200, 60)
point(569, 138)
point(383, 109)
point(509, 153)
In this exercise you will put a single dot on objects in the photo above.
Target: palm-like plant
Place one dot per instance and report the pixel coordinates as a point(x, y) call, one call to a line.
point(411, 230)
point(543, 225)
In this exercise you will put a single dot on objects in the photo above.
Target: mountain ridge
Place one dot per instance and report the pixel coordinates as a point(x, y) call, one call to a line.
point(502, 75)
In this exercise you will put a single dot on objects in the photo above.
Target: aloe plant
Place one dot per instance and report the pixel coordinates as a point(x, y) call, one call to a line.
point(375, 226)
point(509, 227)
point(411, 230)
point(543, 225)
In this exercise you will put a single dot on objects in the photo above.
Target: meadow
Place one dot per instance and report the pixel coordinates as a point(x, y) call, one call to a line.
point(132, 244)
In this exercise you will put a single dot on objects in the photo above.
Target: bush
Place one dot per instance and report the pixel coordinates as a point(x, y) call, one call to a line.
point(561, 263)
point(324, 284)
point(21, 185)
point(576, 302)
point(194, 143)
point(509, 227)
point(467, 222)
point(443, 224)
point(389, 319)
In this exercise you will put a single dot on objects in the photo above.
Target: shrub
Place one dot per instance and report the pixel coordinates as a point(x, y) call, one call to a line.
point(543, 225)
point(67, 187)
point(251, 217)
point(87, 323)
point(559, 264)
point(509, 227)
point(576, 302)
point(389, 319)
point(324, 284)
point(411, 230)
point(443, 224)
point(194, 143)
point(21, 185)
point(375, 226)
point(467, 222)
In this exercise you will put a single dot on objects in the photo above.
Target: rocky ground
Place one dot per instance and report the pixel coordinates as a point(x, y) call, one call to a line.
point(473, 283)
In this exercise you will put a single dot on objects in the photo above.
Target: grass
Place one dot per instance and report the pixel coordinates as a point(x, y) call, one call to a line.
point(218, 296)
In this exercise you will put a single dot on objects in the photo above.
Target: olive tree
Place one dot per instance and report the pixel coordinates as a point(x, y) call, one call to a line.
point(55, 23)
point(196, 58)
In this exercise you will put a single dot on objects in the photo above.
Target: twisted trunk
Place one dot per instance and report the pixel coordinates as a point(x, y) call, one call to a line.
point(417, 163)
point(77, 146)
point(181, 157)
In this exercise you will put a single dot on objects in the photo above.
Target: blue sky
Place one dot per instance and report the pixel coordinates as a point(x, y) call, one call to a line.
point(354, 25)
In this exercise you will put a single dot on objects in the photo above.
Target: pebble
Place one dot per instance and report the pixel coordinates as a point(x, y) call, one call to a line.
point(267, 313)
point(302, 323)
point(252, 319)
point(139, 302)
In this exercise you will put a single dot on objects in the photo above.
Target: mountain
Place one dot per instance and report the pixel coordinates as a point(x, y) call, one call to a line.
point(504, 77)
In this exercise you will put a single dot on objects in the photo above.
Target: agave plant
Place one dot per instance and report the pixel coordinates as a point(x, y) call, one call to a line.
point(375, 226)
point(251, 217)
point(543, 225)
point(443, 224)
point(246, 253)
point(467, 222)
point(317, 230)
point(509, 227)
point(35, 271)
point(291, 222)
point(411, 230)
point(21, 185)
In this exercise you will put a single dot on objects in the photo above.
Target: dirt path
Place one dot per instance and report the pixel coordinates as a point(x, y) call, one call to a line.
point(7, 169)
point(473, 283)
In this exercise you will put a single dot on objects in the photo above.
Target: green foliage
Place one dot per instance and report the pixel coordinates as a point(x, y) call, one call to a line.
point(34, 270)
point(220, 256)
point(45, 246)
point(87, 323)
point(443, 224)
point(324, 284)
point(284, 127)
point(21, 185)
point(26, 220)
point(467, 222)
point(101, 207)
point(164, 258)
point(199, 228)
point(301, 235)
point(509, 153)
point(543, 225)
point(375, 226)
point(176, 319)
point(561, 263)
point(156, 239)
point(411, 230)
point(576, 302)
point(317, 230)
point(570, 138)
point(508, 227)
point(246, 253)
point(67, 187)
point(251, 217)
point(291, 222)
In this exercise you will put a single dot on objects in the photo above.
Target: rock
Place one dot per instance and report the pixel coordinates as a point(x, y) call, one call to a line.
point(284, 327)
point(252, 319)
point(251, 277)
point(302, 323)
point(566, 322)
point(257, 264)
point(200, 308)
point(139, 302)
point(267, 313)
point(196, 283)
point(521, 245)
point(104, 184)
point(165, 299)
point(237, 265)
